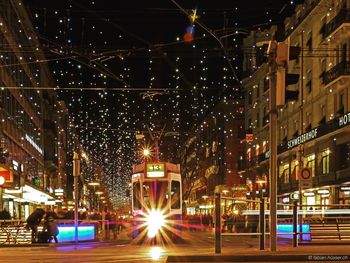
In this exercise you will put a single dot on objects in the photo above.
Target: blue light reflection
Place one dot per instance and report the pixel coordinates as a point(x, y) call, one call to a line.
point(67, 233)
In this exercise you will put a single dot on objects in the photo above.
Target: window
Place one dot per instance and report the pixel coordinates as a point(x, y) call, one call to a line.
point(295, 165)
point(323, 69)
point(249, 154)
point(136, 196)
point(266, 84)
point(309, 81)
point(309, 41)
point(257, 120)
point(341, 104)
point(249, 97)
point(309, 161)
point(323, 110)
point(264, 148)
point(323, 27)
point(284, 172)
point(325, 161)
point(257, 147)
point(308, 121)
point(175, 195)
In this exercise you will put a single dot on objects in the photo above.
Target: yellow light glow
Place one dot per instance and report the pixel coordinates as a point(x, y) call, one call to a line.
point(146, 152)
point(155, 253)
point(155, 222)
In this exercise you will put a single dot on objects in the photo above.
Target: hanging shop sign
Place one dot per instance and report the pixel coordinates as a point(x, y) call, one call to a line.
point(249, 137)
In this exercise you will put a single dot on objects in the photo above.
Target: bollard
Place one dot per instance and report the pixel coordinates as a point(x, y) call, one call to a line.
point(295, 224)
point(262, 223)
point(217, 223)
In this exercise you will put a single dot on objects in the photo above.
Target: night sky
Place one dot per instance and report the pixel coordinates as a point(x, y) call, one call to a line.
point(122, 65)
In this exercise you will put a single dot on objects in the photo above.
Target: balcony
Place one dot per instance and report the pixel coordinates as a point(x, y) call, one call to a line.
point(337, 28)
point(343, 175)
point(339, 71)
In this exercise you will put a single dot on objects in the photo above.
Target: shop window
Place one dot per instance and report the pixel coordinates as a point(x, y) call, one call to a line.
point(309, 161)
point(325, 161)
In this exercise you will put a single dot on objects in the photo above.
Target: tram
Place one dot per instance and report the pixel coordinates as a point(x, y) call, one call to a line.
point(156, 201)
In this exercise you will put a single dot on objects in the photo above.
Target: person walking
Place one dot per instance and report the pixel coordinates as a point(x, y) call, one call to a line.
point(33, 221)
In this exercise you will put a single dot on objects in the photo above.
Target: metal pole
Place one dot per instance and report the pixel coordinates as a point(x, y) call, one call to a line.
point(217, 223)
point(1, 199)
point(301, 120)
point(273, 147)
point(76, 173)
point(262, 222)
point(295, 223)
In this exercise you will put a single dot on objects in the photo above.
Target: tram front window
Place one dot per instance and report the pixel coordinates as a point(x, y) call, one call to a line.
point(155, 195)
point(136, 190)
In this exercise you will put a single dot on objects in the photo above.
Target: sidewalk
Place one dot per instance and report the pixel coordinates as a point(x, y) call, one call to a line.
point(81, 243)
point(302, 253)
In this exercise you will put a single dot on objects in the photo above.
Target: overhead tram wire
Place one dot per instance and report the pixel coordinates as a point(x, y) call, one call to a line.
point(101, 68)
point(214, 36)
point(92, 89)
point(149, 45)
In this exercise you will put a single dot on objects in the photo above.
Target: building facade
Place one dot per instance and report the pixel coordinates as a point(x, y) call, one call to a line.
point(23, 110)
point(211, 157)
point(314, 130)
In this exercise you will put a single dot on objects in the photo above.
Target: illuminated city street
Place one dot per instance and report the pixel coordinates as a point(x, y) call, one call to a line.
point(121, 251)
point(174, 131)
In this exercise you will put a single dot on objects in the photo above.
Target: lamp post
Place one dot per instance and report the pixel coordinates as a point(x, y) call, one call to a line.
point(261, 183)
point(76, 173)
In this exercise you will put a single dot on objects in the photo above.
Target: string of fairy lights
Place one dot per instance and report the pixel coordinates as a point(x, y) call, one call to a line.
point(87, 51)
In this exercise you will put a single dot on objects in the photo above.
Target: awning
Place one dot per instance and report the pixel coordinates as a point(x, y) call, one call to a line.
point(30, 194)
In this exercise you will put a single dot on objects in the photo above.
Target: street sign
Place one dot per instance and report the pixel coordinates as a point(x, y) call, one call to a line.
point(305, 179)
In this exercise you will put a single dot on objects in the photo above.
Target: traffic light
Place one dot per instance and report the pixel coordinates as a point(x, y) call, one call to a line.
point(284, 54)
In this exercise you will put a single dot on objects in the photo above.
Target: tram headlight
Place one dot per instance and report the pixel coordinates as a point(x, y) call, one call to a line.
point(155, 222)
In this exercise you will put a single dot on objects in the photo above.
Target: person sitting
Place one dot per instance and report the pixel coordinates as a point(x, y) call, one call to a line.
point(50, 227)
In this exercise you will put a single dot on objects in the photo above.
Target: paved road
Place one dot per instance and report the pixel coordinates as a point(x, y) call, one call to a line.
point(197, 243)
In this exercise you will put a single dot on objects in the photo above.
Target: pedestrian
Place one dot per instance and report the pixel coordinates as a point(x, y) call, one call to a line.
point(51, 229)
point(5, 215)
point(33, 221)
